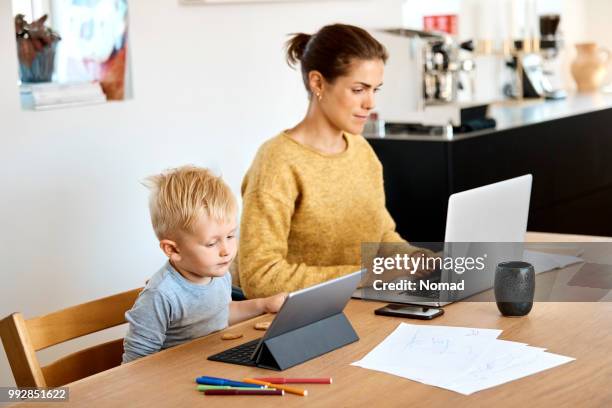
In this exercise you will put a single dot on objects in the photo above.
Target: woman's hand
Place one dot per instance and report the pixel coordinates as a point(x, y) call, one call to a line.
point(425, 268)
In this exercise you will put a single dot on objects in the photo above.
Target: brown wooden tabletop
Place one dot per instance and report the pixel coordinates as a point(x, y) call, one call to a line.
point(579, 330)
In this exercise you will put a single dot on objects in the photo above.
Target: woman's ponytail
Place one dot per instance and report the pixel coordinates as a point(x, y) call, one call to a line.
point(296, 46)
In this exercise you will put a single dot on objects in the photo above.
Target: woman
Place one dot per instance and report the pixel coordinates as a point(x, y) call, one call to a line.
point(314, 193)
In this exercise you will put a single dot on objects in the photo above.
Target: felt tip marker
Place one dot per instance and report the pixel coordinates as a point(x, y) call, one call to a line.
point(245, 391)
point(205, 380)
point(280, 380)
point(201, 387)
point(290, 390)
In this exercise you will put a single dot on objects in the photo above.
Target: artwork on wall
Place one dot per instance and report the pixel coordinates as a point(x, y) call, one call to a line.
point(72, 52)
point(94, 45)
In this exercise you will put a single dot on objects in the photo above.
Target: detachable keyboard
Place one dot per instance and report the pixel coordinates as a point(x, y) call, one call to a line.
point(238, 355)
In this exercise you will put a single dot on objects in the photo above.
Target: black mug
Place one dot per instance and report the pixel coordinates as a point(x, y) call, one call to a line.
point(514, 288)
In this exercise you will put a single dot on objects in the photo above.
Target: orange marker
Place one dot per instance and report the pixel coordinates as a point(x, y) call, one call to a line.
point(291, 390)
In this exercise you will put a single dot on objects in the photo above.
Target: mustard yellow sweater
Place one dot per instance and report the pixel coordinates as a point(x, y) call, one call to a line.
point(305, 214)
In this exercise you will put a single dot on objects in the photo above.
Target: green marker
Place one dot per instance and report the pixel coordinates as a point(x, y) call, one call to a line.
point(227, 387)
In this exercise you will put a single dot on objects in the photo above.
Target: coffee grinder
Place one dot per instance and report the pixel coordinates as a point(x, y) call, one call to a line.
point(535, 63)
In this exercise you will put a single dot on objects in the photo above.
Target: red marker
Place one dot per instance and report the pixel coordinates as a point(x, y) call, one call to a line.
point(281, 380)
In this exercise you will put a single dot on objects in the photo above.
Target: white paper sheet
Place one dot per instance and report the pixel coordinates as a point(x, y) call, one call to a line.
point(461, 359)
point(430, 353)
point(482, 379)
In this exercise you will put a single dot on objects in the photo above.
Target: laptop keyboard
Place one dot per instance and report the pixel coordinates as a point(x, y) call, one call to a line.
point(424, 293)
point(428, 294)
point(238, 355)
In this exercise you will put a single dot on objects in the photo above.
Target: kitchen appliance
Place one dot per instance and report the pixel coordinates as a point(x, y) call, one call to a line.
point(426, 79)
point(536, 63)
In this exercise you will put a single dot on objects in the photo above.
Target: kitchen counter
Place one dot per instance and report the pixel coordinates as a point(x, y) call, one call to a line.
point(566, 145)
point(512, 113)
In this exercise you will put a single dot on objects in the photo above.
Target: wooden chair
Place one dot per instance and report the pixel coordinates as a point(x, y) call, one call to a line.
point(23, 338)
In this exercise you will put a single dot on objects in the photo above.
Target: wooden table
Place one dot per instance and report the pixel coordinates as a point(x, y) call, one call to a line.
point(580, 330)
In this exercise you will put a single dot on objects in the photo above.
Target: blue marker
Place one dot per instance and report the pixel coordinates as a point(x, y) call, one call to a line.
point(205, 380)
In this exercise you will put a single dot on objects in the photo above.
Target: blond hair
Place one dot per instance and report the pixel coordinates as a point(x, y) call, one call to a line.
point(180, 196)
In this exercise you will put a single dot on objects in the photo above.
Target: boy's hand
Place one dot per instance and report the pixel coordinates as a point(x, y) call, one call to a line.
point(273, 304)
point(247, 309)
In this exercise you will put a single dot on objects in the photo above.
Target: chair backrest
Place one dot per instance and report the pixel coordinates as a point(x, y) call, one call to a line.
point(23, 338)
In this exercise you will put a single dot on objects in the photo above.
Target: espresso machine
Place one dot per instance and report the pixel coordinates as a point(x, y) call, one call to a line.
point(425, 76)
point(442, 67)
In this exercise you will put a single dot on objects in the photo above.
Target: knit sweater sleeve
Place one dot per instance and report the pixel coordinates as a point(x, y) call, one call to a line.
point(263, 266)
point(389, 234)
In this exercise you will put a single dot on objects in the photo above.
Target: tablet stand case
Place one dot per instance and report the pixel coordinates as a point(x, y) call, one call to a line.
point(305, 343)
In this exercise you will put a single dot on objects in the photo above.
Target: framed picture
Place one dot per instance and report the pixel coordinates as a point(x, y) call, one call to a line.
point(71, 52)
point(94, 44)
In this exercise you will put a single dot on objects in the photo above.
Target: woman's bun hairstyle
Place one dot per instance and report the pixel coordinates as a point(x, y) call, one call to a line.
point(296, 46)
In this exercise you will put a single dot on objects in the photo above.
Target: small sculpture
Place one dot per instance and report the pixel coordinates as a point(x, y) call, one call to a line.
point(35, 49)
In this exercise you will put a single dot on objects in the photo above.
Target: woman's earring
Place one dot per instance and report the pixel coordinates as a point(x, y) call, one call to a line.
point(319, 97)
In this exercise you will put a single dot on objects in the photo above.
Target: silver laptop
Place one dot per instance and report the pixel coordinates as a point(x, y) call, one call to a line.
point(495, 213)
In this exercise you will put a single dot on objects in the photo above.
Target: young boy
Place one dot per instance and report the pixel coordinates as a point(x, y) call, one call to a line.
point(193, 214)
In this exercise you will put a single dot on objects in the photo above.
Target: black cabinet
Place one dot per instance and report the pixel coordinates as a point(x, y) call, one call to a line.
point(570, 159)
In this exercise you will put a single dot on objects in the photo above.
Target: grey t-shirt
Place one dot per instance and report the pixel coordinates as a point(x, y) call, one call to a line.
point(172, 310)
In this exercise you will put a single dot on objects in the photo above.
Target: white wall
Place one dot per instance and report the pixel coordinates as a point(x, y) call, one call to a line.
point(598, 14)
point(210, 85)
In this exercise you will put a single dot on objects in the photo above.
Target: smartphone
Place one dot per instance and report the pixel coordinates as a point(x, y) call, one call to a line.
point(411, 312)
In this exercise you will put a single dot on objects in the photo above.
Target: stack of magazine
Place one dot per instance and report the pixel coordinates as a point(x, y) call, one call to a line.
point(55, 95)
